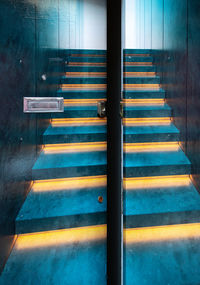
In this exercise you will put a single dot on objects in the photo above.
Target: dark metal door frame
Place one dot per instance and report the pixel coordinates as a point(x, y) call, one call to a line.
point(114, 142)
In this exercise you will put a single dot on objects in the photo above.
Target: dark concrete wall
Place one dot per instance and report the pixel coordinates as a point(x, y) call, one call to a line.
point(28, 42)
point(181, 70)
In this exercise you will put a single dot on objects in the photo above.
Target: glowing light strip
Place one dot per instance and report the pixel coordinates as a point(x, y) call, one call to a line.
point(162, 233)
point(89, 182)
point(85, 74)
point(87, 63)
point(75, 147)
point(135, 183)
point(144, 102)
point(61, 237)
point(151, 147)
point(83, 86)
point(139, 74)
point(67, 122)
point(147, 121)
point(138, 63)
point(142, 86)
point(81, 102)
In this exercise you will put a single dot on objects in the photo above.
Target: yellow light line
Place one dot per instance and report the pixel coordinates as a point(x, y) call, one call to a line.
point(81, 102)
point(151, 147)
point(87, 63)
point(162, 233)
point(140, 74)
point(147, 121)
point(89, 182)
point(61, 237)
point(144, 102)
point(135, 183)
point(74, 147)
point(138, 63)
point(83, 86)
point(85, 74)
point(141, 86)
point(78, 122)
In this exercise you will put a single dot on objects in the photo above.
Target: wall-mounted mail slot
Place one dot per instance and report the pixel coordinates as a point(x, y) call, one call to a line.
point(43, 104)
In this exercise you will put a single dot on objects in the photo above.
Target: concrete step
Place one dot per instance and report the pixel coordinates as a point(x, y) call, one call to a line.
point(151, 160)
point(82, 94)
point(144, 94)
point(63, 203)
point(35, 256)
point(147, 111)
point(159, 201)
point(142, 80)
point(83, 80)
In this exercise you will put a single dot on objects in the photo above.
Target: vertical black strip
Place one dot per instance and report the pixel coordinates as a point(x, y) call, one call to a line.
point(114, 136)
point(187, 79)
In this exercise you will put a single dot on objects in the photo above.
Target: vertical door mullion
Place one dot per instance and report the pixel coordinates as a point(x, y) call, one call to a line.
point(114, 142)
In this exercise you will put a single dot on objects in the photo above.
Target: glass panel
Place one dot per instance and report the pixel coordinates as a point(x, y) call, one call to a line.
point(161, 203)
point(61, 226)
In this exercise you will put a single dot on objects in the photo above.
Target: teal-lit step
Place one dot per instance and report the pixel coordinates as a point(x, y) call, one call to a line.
point(138, 59)
point(156, 163)
point(129, 111)
point(87, 59)
point(84, 68)
point(65, 259)
point(83, 80)
point(82, 94)
point(137, 134)
point(144, 94)
point(61, 207)
point(164, 204)
point(169, 261)
point(138, 68)
point(84, 52)
point(77, 164)
point(142, 80)
point(134, 134)
point(147, 111)
point(70, 134)
point(137, 51)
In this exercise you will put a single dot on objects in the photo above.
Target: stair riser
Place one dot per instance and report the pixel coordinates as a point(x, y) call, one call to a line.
point(74, 138)
point(159, 219)
point(87, 59)
point(83, 80)
point(144, 95)
point(102, 137)
point(85, 69)
point(140, 138)
point(65, 172)
point(64, 222)
point(146, 113)
point(82, 94)
point(141, 80)
point(139, 68)
point(160, 170)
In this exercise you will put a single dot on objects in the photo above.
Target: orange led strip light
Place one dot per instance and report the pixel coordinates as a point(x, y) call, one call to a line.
point(134, 183)
point(75, 147)
point(71, 183)
point(151, 147)
point(80, 102)
point(78, 122)
point(162, 233)
point(61, 237)
point(147, 121)
point(142, 86)
point(83, 86)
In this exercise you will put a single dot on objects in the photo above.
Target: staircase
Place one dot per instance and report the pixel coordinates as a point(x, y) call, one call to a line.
point(61, 227)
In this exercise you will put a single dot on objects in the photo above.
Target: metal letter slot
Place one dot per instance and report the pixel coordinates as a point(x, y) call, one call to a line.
point(43, 104)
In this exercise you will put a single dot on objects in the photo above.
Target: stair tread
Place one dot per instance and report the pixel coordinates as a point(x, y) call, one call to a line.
point(157, 158)
point(151, 129)
point(62, 257)
point(66, 202)
point(161, 200)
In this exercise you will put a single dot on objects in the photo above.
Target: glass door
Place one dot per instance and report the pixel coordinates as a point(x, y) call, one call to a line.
point(61, 231)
